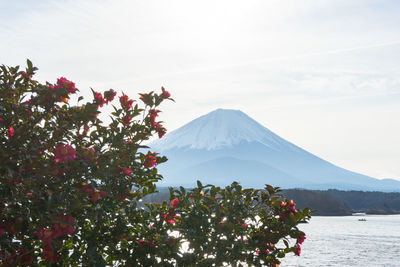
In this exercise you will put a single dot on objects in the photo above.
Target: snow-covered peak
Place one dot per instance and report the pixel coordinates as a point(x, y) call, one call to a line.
point(217, 129)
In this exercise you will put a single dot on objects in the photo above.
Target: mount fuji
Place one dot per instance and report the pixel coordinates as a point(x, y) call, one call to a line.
point(227, 145)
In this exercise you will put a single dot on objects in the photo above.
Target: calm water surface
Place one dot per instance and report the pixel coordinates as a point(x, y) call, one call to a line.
point(345, 241)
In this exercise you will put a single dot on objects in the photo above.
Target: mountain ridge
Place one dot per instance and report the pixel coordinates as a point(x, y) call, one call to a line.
point(195, 152)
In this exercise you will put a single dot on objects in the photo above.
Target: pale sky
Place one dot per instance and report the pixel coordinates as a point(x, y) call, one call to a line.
point(324, 75)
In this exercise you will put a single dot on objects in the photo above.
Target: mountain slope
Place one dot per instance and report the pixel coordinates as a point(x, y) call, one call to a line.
point(227, 145)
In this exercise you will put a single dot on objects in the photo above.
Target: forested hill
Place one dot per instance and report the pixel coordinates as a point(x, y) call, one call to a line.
point(330, 202)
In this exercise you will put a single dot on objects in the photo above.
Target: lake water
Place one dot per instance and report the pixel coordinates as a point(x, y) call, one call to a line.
point(345, 241)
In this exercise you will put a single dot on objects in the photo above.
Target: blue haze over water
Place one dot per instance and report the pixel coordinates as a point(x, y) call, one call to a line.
point(345, 241)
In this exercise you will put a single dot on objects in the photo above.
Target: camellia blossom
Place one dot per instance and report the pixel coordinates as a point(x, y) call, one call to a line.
point(98, 99)
point(153, 115)
point(63, 226)
point(126, 170)
point(301, 239)
point(46, 235)
point(109, 95)
point(49, 254)
point(170, 217)
point(10, 132)
point(175, 203)
point(298, 250)
point(126, 120)
point(66, 84)
point(165, 94)
point(64, 153)
point(24, 257)
point(150, 160)
point(126, 103)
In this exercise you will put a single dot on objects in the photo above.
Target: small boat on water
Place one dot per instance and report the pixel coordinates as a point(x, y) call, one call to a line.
point(362, 220)
point(359, 214)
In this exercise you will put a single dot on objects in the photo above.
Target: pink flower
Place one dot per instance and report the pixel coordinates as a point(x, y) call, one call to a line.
point(25, 258)
point(153, 115)
point(297, 252)
point(161, 132)
point(283, 204)
point(175, 203)
point(126, 103)
point(46, 235)
point(150, 160)
point(109, 95)
point(165, 94)
point(10, 132)
point(64, 153)
point(98, 99)
point(66, 84)
point(301, 239)
point(49, 254)
point(126, 120)
point(126, 170)
point(64, 226)
point(170, 216)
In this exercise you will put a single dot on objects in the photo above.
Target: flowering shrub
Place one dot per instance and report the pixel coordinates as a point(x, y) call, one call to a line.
point(70, 186)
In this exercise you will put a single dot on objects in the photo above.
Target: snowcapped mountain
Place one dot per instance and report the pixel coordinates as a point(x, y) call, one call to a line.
point(227, 145)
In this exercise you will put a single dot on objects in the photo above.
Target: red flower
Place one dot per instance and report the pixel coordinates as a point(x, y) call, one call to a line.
point(109, 95)
point(49, 254)
point(150, 160)
point(126, 103)
point(66, 84)
point(10, 132)
point(126, 170)
point(301, 239)
point(24, 257)
point(153, 115)
point(64, 153)
point(175, 203)
point(283, 204)
point(98, 99)
point(126, 120)
point(46, 235)
point(161, 132)
point(297, 252)
point(170, 216)
point(64, 226)
point(165, 94)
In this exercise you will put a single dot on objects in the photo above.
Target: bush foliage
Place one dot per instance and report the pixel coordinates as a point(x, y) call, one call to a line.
point(70, 185)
